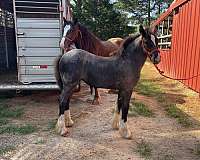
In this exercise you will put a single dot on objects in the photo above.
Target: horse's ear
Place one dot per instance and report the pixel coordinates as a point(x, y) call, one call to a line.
point(142, 31)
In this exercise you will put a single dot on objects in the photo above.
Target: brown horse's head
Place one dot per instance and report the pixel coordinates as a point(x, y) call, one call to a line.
point(71, 34)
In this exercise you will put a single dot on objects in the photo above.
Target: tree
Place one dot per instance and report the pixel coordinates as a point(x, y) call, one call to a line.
point(101, 18)
point(142, 11)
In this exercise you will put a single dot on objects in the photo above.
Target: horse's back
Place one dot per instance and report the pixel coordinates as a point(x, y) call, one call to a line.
point(117, 41)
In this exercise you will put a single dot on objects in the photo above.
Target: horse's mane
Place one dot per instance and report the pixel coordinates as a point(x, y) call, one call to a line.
point(88, 39)
point(125, 44)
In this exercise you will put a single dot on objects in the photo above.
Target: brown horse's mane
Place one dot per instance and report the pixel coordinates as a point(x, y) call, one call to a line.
point(88, 40)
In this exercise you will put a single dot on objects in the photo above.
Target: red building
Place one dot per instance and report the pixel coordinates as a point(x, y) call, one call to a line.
point(179, 42)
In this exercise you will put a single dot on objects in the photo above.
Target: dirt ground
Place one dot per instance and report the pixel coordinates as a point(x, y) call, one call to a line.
point(92, 138)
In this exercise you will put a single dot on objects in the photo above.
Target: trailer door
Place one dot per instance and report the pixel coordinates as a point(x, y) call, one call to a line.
point(38, 35)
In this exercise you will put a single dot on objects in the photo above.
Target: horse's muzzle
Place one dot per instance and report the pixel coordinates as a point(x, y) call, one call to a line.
point(155, 57)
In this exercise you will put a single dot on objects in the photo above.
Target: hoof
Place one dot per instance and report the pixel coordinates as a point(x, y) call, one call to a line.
point(96, 101)
point(68, 120)
point(60, 126)
point(124, 131)
point(115, 121)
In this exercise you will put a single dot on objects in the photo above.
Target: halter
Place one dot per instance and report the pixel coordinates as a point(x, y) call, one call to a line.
point(147, 50)
point(74, 39)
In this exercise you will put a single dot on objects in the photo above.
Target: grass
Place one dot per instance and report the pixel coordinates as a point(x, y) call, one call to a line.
point(41, 141)
point(148, 88)
point(21, 130)
point(6, 149)
point(7, 112)
point(138, 108)
point(51, 125)
point(3, 121)
point(174, 112)
point(144, 149)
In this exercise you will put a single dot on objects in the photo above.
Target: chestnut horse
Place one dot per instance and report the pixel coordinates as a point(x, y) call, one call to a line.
point(78, 36)
point(121, 72)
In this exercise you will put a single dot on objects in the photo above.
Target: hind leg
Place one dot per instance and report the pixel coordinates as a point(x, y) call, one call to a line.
point(123, 127)
point(63, 102)
point(96, 100)
point(68, 120)
point(116, 118)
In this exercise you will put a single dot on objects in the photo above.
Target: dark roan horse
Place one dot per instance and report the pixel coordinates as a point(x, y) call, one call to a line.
point(78, 36)
point(120, 72)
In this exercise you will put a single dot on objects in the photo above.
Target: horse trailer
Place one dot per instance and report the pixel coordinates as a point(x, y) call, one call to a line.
point(38, 30)
point(178, 31)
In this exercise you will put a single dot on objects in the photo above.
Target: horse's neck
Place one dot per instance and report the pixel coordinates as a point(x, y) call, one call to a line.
point(94, 45)
point(136, 54)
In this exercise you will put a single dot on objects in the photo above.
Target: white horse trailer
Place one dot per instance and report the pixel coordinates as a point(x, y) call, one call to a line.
point(38, 28)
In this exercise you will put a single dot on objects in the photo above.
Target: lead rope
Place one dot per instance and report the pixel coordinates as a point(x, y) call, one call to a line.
point(162, 72)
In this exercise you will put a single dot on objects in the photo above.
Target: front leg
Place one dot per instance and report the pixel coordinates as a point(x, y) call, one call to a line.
point(116, 118)
point(123, 127)
point(97, 98)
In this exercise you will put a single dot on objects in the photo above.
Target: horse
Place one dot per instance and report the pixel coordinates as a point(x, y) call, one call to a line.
point(78, 36)
point(121, 72)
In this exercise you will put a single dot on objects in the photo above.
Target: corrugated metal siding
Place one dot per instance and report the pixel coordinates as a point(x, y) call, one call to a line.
point(183, 60)
point(38, 46)
point(38, 36)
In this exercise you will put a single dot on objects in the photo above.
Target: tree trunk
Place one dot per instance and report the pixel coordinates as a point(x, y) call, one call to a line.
point(149, 12)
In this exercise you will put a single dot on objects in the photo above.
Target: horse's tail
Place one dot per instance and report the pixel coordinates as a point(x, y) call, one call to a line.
point(57, 73)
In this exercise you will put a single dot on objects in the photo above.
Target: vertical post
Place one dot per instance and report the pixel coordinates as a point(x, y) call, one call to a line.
point(149, 12)
point(5, 38)
point(67, 13)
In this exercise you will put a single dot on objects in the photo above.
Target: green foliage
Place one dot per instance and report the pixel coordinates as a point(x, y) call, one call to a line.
point(22, 130)
point(3, 121)
point(51, 125)
point(139, 10)
point(144, 149)
point(7, 112)
point(148, 88)
point(138, 108)
point(101, 18)
point(175, 112)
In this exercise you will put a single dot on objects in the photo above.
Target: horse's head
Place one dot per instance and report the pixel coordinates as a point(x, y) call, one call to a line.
point(150, 45)
point(71, 34)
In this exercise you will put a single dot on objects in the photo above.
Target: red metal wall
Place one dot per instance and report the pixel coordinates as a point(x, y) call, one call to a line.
point(183, 59)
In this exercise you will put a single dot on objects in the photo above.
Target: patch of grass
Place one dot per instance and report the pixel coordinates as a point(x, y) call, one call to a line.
point(7, 112)
point(175, 112)
point(144, 149)
point(41, 141)
point(51, 125)
point(138, 108)
point(148, 88)
point(22, 130)
point(3, 121)
point(6, 149)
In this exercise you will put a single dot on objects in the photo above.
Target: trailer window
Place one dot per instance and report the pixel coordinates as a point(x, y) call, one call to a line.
point(165, 32)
